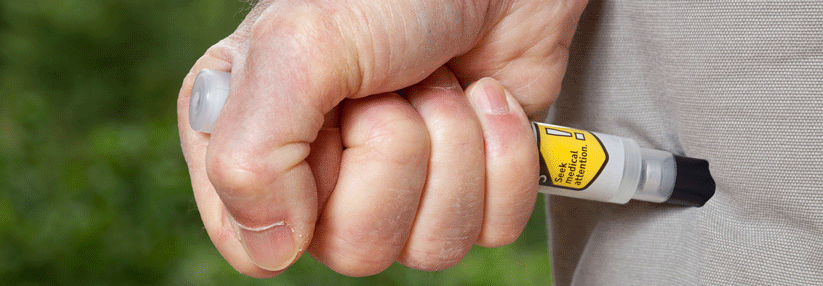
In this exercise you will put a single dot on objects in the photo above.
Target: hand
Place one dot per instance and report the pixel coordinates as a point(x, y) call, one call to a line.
point(416, 179)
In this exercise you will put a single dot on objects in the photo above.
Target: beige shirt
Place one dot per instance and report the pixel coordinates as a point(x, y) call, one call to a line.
point(739, 83)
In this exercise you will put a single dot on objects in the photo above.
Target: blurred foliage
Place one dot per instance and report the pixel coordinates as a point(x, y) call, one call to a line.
point(93, 186)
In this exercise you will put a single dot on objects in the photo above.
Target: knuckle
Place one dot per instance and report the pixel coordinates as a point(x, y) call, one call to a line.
point(505, 223)
point(241, 172)
point(234, 176)
point(504, 228)
point(436, 253)
point(429, 262)
point(355, 267)
point(401, 141)
point(355, 258)
point(498, 238)
point(361, 247)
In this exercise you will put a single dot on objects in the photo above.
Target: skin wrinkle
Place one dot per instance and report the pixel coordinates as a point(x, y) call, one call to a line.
point(331, 17)
point(433, 260)
point(526, 84)
point(382, 233)
point(399, 203)
point(460, 144)
point(439, 251)
point(464, 204)
point(401, 45)
point(454, 232)
point(562, 52)
point(423, 31)
point(486, 21)
point(356, 85)
point(422, 20)
point(366, 66)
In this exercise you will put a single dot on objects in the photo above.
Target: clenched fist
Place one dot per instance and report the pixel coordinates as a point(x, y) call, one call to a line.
point(316, 150)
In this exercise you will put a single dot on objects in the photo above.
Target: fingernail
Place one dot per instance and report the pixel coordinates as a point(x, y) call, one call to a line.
point(271, 248)
point(490, 97)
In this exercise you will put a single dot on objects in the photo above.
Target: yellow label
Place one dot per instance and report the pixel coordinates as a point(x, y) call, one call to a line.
point(569, 158)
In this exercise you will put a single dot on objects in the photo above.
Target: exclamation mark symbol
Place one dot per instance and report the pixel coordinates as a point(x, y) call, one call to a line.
point(556, 132)
point(561, 133)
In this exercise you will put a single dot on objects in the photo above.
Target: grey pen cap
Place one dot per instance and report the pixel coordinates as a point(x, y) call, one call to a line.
point(207, 98)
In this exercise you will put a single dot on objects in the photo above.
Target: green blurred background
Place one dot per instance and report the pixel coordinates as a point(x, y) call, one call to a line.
point(93, 186)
